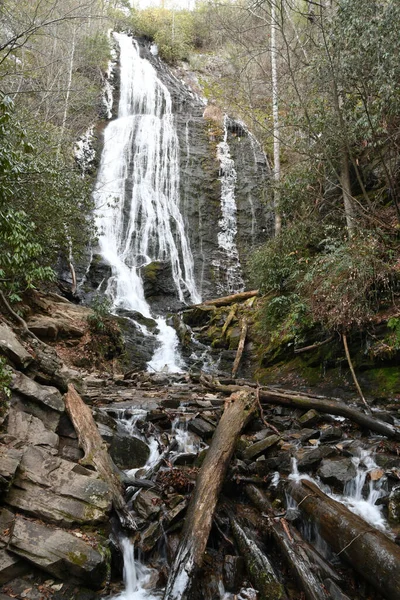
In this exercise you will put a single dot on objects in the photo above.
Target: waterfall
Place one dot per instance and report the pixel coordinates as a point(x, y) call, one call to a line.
point(227, 224)
point(137, 196)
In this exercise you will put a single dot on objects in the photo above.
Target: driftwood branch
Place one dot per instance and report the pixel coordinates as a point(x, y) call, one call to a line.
point(359, 390)
point(258, 565)
point(95, 452)
point(229, 320)
point(314, 346)
point(238, 410)
point(368, 550)
point(240, 349)
point(324, 405)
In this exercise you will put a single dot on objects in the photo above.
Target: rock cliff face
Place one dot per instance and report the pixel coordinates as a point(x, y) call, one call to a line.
point(200, 130)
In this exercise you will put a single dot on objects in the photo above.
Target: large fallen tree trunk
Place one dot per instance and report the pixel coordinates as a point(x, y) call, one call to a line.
point(95, 452)
point(259, 568)
point(331, 407)
point(297, 558)
point(224, 300)
point(238, 410)
point(369, 551)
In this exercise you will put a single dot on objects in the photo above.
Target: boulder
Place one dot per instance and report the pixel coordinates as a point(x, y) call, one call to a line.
point(203, 428)
point(309, 418)
point(12, 348)
point(62, 320)
point(9, 461)
point(58, 491)
point(29, 429)
point(45, 395)
point(260, 447)
point(337, 471)
point(312, 458)
point(147, 504)
point(60, 553)
point(128, 452)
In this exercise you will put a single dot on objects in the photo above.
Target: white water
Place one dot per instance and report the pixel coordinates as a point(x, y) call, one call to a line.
point(355, 497)
point(137, 577)
point(227, 224)
point(137, 196)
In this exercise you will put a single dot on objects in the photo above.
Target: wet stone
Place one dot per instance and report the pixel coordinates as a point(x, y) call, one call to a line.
point(337, 471)
point(312, 458)
point(311, 417)
point(201, 427)
point(147, 504)
point(331, 434)
point(128, 452)
point(260, 447)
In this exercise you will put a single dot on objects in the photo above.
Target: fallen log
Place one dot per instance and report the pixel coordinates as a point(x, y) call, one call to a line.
point(240, 349)
point(294, 553)
point(224, 300)
point(198, 521)
point(368, 551)
point(327, 406)
point(259, 568)
point(229, 320)
point(96, 453)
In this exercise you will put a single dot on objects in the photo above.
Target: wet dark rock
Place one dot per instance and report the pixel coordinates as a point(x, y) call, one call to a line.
point(98, 274)
point(12, 348)
point(337, 471)
point(331, 434)
point(139, 348)
point(311, 417)
point(204, 429)
point(184, 459)
point(147, 504)
point(312, 458)
point(280, 462)
point(150, 536)
point(387, 461)
point(128, 452)
point(305, 435)
point(60, 553)
point(58, 491)
point(138, 318)
point(259, 447)
point(233, 573)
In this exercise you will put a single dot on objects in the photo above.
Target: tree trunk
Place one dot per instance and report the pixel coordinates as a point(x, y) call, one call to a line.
point(258, 566)
point(240, 349)
point(297, 559)
point(275, 116)
point(189, 557)
point(96, 454)
point(225, 300)
point(368, 550)
point(330, 407)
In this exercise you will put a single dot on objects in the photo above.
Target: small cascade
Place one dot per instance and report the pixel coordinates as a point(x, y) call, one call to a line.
point(137, 197)
point(359, 496)
point(228, 264)
point(137, 577)
point(187, 442)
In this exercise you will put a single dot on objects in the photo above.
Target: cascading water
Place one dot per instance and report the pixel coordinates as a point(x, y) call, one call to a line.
point(233, 281)
point(137, 196)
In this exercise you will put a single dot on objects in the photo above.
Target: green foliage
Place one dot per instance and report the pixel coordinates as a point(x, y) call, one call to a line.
point(101, 307)
point(44, 202)
point(173, 31)
point(394, 325)
point(20, 267)
point(5, 378)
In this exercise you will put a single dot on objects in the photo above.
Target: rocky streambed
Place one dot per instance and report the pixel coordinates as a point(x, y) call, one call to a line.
point(59, 535)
